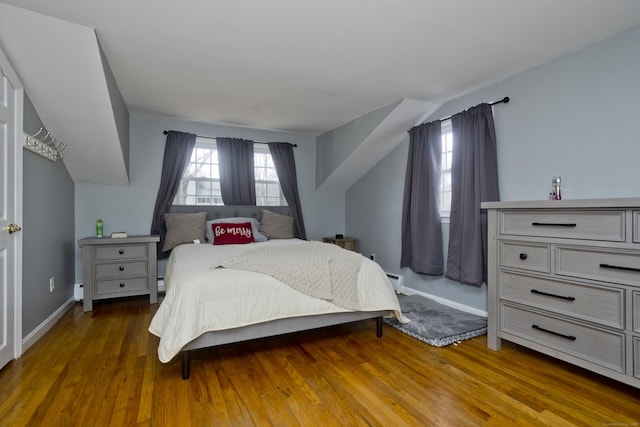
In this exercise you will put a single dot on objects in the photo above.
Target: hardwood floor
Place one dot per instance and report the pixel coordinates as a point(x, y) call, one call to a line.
point(101, 368)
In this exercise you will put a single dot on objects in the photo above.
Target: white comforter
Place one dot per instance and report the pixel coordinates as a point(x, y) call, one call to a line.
point(200, 299)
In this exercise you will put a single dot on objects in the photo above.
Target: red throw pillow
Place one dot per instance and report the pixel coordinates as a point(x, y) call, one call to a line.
point(226, 233)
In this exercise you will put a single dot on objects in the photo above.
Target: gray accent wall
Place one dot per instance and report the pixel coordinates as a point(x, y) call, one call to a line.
point(48, 244)
point(129, 207)
point(576, 117)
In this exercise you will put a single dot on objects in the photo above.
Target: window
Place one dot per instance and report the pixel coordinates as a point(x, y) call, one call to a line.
point(445, 181)
point(200, 183)
point(268, 190)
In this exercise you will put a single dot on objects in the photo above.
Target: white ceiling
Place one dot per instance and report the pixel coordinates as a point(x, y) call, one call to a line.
point(306, 66)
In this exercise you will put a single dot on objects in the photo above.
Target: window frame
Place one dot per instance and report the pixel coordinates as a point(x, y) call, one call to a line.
point(203, 143)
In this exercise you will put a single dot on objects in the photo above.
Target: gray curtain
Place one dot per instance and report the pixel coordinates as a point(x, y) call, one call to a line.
point(283, 160)
point(421, 225)
point(177, 152)
point(237, 176)
point(474, 179)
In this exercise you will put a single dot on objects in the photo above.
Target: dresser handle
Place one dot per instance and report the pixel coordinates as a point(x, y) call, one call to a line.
point(617, 267)
point(554, 224)
point(121, 251)
point(523, 256)
point(569, 337)
point(121, 268)
point(535, 291)
point(122, 284)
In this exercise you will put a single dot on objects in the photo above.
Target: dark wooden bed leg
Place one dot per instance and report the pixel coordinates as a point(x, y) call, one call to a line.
point(186, 362)
point(379, 327)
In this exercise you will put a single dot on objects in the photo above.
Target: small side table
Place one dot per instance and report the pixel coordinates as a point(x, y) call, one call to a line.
point(122, 267)
point(346, 242)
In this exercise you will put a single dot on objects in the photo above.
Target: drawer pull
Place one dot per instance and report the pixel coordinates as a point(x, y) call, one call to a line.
point(122, 284)
point(535, 291)
point(554, 224)
point(618, 267)
point(523, 256)
point(121, 268)
point(121, 251)
point(569, 337)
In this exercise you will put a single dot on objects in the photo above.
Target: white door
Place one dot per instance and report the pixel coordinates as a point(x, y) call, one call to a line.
point(10, 213)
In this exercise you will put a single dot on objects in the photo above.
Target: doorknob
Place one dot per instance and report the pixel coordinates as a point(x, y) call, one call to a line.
point(12, 228)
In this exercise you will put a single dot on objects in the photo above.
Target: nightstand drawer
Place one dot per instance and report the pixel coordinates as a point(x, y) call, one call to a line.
point(120, 287)
point(120, 252)
point(605, 348)
point(526, 256)
point(121, 269)
point(592, 225)
point(348, 243)
point(598, 304)
point(599, 264)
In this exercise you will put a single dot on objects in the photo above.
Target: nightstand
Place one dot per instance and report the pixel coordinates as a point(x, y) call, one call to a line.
point(346, 242)
point(122, 267)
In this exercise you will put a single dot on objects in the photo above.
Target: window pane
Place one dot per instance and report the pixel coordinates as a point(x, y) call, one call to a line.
point(447, 155)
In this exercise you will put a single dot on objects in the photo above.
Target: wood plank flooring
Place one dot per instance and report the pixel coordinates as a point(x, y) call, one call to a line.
point(101, 368)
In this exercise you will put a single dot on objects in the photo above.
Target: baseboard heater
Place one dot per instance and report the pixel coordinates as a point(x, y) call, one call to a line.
point(395, 280)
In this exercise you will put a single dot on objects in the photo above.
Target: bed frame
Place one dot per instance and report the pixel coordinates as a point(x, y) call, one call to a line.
point(274, 328)
point(271, 328)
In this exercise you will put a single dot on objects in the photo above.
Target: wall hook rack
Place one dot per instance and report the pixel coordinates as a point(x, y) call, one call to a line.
point(45, 144)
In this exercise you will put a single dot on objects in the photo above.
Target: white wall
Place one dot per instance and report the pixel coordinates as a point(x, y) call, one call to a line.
point(577, 116)
point(130, 207)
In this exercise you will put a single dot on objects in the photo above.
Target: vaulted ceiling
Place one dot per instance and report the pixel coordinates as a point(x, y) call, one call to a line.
point(287, 65)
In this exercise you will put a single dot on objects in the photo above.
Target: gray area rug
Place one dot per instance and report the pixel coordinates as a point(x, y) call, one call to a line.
point(437, 324)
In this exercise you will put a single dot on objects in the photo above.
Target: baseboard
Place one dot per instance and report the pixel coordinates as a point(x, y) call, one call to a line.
point(44, 327)
point(409, 291)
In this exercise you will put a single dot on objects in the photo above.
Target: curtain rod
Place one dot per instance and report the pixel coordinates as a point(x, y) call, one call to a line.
point(213, 137)
point(505, 100)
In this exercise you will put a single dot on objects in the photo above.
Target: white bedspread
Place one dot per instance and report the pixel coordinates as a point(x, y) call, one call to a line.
point(321, 270)
point(200, 299)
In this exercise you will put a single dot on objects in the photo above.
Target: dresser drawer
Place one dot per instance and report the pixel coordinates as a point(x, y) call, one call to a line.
point(635, 303)
point(525, 256)
point(121, 269)
point(592, 225)
point(598, 304)
point(636, 357)
point(605, 348)
point(120, 252)
point(121, 287)
point(599, 264)
point(636, 226)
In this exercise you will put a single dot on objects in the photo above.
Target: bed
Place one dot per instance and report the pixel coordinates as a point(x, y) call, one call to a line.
point(211, 301)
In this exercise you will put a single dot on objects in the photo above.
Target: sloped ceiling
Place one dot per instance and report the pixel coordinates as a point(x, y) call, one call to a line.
point(60, 66)
point(287, 65)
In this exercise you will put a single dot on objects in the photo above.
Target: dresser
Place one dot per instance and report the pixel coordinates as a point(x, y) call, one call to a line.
point(564, 279)
point(121, 267)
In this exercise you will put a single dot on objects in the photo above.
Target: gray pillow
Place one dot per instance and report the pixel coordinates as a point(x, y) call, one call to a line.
point(276, 226)
point(255, 226)
point(183, 228)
